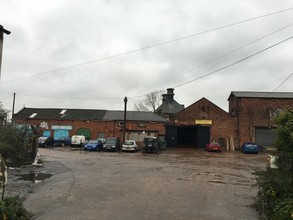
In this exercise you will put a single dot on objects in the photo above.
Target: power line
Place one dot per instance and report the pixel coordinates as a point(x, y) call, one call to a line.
point(148, 47)
point(50, 97)
point(234, 63)
point(229, 65)
point(282, 83)
point(220, 57)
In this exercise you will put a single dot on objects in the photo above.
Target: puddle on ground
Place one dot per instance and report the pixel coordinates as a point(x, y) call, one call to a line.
point(34, 177)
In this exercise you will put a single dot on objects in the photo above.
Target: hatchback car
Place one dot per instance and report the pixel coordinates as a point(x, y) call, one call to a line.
point(213, 146)
point(129, 145)
point(93, 145)
point(249, 147)
point(46, 142)
point(112, 144)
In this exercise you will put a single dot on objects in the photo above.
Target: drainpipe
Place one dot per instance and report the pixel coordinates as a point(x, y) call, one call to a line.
point(238, 123)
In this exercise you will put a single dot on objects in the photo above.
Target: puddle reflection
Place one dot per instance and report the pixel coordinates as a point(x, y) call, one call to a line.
point(34, 177)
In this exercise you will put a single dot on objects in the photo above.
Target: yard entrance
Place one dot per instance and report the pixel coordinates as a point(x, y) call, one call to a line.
point(187, 136)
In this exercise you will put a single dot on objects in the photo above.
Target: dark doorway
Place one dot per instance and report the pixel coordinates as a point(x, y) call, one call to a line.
point(203, 136)
point(171, 136)
point(186, 136)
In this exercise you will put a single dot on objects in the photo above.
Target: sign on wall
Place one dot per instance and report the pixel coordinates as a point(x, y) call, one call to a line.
point(65, 127)
point(203, 122)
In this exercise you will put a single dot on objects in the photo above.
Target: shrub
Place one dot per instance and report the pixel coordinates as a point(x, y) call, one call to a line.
point(275, 197)
point(16, 145)
point(11, 208)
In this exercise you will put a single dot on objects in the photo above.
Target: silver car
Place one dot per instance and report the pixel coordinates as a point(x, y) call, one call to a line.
point(129, 145)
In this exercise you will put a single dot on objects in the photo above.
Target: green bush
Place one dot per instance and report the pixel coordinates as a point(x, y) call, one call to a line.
point(16, 145)
point(12, 209)
point(275, 197)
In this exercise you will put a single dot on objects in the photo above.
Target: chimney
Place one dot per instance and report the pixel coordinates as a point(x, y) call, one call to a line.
point(170, 94)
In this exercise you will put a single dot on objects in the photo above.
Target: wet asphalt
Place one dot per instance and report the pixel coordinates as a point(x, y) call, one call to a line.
point(175, 184)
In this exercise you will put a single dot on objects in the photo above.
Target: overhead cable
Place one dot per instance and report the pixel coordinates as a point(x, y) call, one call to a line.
point(148, 47)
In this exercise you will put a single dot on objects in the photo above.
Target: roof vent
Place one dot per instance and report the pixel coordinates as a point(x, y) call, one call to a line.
point(33, 115)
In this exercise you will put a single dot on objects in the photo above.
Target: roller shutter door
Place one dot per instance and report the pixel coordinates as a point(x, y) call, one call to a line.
point(264, 136)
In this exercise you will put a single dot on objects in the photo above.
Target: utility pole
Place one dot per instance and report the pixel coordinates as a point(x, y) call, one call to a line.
point(2, 32)
point(13, 105)
point(124, 127)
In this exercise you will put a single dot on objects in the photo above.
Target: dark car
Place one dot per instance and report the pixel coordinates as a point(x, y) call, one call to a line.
point(63, 141)
point(213, 146)
point(46, 142)
point(151, 145)
point(112, 144)
point(94, 145)
point(249, 147)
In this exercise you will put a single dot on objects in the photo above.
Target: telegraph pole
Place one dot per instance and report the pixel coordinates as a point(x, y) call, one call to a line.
point(2, 32)
point(124, 127)
point(13, 106)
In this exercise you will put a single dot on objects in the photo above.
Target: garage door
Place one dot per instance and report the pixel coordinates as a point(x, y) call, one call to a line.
point(171, 136)
point(58, 133)
point(264, 136)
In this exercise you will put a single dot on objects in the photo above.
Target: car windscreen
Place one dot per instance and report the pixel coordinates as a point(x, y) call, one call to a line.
point(129, 142)
point(93, 142)
point(110, 141)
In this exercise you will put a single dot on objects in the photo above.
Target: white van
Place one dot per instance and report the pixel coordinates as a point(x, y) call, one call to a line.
point(77, 140)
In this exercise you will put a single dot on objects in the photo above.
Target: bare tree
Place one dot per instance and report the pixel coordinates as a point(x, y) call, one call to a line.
point(150, 102)
point(3, 115)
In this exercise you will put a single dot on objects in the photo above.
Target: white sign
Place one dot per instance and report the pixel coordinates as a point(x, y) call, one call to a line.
point(65, 127)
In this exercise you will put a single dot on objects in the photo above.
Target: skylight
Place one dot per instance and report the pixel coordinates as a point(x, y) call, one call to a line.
point(63, 111)
point(33, 115)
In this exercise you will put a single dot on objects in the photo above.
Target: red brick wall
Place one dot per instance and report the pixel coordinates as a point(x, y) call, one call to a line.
point(110, 128)
point(223, 124)
point(254, 112)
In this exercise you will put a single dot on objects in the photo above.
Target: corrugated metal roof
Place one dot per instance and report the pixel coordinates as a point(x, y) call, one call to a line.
point(55, 114)
point(133, 116)
point(275, 95)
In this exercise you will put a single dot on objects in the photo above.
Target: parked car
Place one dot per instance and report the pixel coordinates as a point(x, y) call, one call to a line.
point(112, 144)
point(213, 146)
point(63, 141)
point(46, 142)
point(249, 147)
point(129, 145)
point(151, 145)
point(77, 140)
point(94, 145)
point(102, 139)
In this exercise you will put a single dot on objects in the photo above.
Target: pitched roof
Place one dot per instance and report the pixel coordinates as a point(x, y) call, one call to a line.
point(85, 114)
point(133, 116)
point(57, 114)
point(170, 107)
point(265, 95)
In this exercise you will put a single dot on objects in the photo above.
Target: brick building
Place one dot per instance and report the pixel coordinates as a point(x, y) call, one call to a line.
point(200, 123)
point(250, 118)
point(254, 112)
point(91, 123)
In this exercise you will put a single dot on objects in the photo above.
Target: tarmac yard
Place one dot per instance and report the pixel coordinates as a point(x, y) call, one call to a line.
point(175, 184)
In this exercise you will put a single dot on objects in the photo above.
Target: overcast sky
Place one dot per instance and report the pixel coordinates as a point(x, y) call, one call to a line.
point(91, 54)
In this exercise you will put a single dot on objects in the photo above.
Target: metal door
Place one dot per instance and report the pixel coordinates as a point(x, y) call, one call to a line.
point(171, 136)
point(203, 136)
